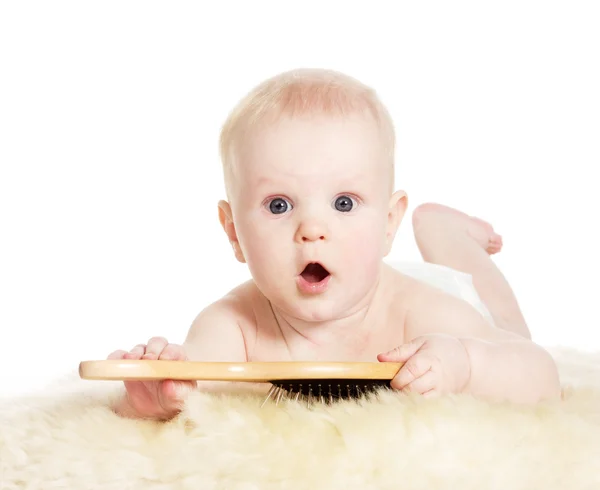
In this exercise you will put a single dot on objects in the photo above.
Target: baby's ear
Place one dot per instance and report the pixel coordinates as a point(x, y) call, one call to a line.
point(226, 219)
point(396, 210)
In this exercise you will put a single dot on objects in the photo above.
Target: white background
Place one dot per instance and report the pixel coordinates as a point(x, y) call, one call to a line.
point(109, 119)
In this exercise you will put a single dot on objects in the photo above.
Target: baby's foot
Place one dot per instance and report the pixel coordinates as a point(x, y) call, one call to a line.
point(481, 231)
point(485, 235)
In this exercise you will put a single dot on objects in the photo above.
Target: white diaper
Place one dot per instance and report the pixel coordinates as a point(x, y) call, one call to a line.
point(456, 283)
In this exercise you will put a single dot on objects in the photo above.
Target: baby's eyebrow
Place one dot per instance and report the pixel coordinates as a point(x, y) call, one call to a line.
point(265, 181)
point(347, 183)
point(352, 180)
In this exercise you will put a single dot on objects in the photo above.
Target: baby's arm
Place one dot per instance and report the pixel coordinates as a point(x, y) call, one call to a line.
point(504, 366)
point(216, 335)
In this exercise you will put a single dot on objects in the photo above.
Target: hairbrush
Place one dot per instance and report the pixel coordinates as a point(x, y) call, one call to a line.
point(311, 381)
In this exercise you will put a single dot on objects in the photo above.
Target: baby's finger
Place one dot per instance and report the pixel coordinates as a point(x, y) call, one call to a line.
point(173, 352)
point(173, 393)
point(155, 347)
point(403, 352)
point(136, 352)
point(412, 369)
point(118, 354)
point(422, 384)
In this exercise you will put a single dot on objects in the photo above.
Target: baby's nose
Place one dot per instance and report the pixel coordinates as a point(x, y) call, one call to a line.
point(312, 231)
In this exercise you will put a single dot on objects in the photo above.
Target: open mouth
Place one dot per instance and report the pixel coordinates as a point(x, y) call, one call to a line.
point(314, 273)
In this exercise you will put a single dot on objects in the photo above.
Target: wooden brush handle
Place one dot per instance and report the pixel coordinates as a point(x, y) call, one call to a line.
point(257, 372)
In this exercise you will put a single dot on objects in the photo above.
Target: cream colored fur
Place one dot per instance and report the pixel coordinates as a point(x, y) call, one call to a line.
point(67, 437)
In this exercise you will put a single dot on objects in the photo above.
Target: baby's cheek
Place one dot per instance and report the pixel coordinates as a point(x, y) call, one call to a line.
point(266, 259)
point(363, 251)
point(364, 246)
point(366, 239)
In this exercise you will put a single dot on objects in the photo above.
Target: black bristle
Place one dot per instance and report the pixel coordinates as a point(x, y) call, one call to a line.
point(330, 390)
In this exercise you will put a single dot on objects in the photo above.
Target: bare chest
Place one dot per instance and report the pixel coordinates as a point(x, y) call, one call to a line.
point(272, 341)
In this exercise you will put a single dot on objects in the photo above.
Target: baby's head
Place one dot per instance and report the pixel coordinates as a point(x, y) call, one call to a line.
point(308, 159)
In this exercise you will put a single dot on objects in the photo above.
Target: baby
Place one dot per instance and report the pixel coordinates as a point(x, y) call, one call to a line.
point(308, 160)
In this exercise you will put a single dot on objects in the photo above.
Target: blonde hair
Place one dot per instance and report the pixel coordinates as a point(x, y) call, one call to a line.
point(303, 92)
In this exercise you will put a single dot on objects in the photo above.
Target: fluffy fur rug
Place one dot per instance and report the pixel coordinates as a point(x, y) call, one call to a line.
point(68, 438)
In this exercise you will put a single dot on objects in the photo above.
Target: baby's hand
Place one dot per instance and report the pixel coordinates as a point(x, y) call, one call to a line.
point(434, 365)
point(158, 400)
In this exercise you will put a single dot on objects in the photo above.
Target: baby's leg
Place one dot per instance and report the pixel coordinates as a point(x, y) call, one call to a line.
point(449, 237)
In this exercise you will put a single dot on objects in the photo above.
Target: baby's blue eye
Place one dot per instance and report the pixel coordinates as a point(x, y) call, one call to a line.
point(344, 204)
point(279, 206)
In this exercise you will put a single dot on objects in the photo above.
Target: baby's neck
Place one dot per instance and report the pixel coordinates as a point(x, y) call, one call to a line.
point(349, 334)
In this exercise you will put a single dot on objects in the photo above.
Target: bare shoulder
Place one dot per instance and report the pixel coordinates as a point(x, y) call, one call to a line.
point(429, 310)
point(225, 329)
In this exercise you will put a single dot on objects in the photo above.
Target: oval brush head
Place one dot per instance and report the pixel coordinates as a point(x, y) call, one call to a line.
point(313, 381)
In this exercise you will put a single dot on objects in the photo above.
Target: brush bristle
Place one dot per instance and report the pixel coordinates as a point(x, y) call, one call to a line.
point(324, 390)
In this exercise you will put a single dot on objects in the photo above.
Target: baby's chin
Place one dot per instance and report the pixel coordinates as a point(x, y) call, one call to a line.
point(316, 309)
point(314, 313)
